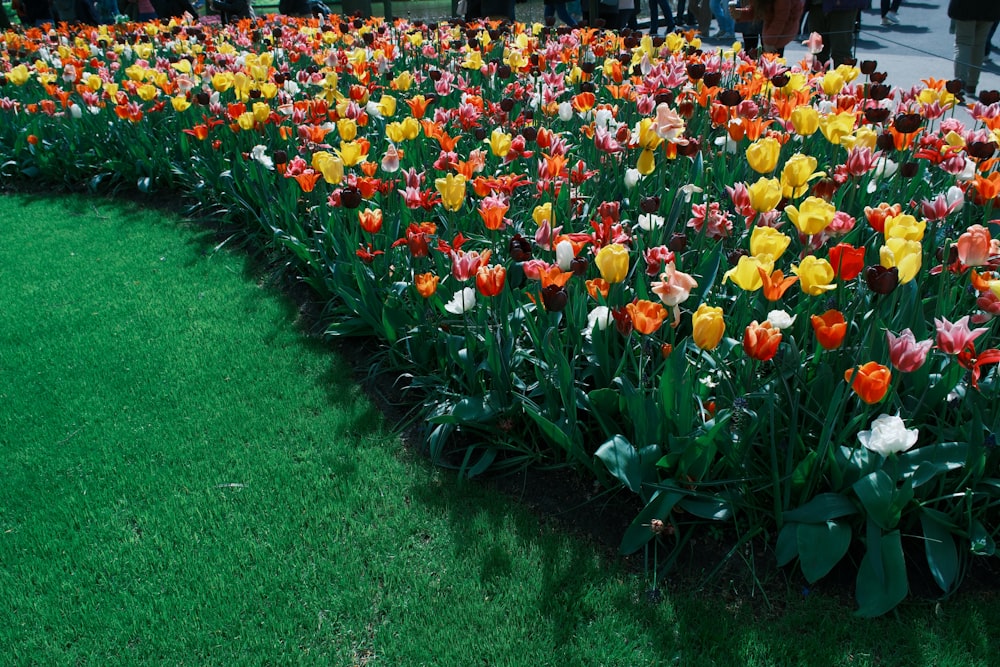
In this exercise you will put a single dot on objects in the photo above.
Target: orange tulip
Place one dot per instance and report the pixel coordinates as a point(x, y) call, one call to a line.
point(426, 284)
point(830, 329)
point(490, 279)
point(600, 286)
point(647, 316)
point(370, 220)
point(775, 284)
point(870, 381)
point(760, 341)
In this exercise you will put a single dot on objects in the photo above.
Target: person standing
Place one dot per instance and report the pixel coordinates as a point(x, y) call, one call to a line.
point(835, 21)
point(971, 22)
point(889, 10)
point(780, 20)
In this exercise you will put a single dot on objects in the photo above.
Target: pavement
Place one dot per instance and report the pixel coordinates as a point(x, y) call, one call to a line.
point(920, 47)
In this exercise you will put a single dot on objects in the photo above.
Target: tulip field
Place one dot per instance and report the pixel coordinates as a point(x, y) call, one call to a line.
point(754, 293)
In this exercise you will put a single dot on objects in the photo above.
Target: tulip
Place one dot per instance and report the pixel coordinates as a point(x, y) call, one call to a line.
point(647, 316)
point(370, 220)
point(598, 287)
point(490, 279)
point(905, 256)
point(805, 120)
point(352, 152)
point(764, 195)
point(795, 175)
point(426, 284)
point(880, 279)
point(612, 262)
point(877, 216)
point(452, 189)
point(542, 214)
point(869, 381)
point(746, 273)
point(815, 275)
point(847, 260)
point(554, 298)
point(837, 126)
point(905, 353)
point(776, 284)
point(954, 337)
point(813, 216)
point(974, 246)
point(331, 166)
point(888, 435)
point(500, 142)
point(762, 155)
point(463, 300)
point(708, 326)
point(768, 241)
point(904, 226)
point(832, 82)
point(830, 329)
point(760, 341)
point(465, 264)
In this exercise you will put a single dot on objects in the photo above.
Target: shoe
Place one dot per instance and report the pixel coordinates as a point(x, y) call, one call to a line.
point(890, 19)
point(723, 36)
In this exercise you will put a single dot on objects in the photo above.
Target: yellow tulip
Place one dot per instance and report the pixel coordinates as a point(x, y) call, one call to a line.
point(261, 112)
point(245, 120)
point(764, 195)
point(93, 82)
point(19, 75)
point(347, 129)
point(832, 83)
point(402, 82)
point(768, 241)
point(836, 126)
point(473, 60)
point(746, 275)
point(904, 254)
point(647, 136)
point(542, 214)
point(331, 166)
point(500, 142)
point(394, 132)
point(411, 128)
point(905, 226)
point(222, 81)
point(795, 175)
point(387, 106)
point(147, 92)
point(863, 137)
point(805, 120)
point(707, 326)
point(452, 189)
point(762, 155)
point(612, 262)
point(813, 216)
point(350, 153)
point(646, 164)
point(180, 103)
point(815, 275)
point(269, 90)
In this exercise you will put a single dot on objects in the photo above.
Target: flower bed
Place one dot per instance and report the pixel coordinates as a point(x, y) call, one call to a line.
point(746, 291)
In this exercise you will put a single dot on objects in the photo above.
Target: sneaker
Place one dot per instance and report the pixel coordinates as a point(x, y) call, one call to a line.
point(723, 36)
point(890, 19)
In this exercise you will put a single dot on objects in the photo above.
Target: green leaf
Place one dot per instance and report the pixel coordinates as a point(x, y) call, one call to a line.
point(821, 546)
point(715, 509)
point(823, 507)
point(551, 431)
point(638, 532)
point(877, 595)
point(942, 556)
point(629, 465)
point(876, 493)
point(787, 546)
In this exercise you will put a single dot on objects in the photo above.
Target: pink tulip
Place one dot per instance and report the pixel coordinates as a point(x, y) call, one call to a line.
point(974, 246)
point(905, 353)
point(952, 338)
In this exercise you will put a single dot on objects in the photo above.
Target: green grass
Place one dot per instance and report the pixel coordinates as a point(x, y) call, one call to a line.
point(186, 478)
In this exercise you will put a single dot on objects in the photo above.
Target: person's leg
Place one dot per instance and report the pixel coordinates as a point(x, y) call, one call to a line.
point(562, 11)
point(720, 8)
point(965, 35)
point(989, 39)
point(841, 34)
point(703, 15)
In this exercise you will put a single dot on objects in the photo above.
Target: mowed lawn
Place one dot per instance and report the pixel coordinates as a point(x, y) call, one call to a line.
point(186, 477)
